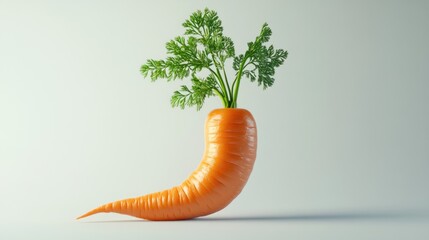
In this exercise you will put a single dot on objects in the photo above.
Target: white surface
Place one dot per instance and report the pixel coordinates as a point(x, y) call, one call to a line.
point(274, 226)
point(342, 132)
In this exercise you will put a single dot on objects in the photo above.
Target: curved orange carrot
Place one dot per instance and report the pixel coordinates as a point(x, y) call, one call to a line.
point(229, 156)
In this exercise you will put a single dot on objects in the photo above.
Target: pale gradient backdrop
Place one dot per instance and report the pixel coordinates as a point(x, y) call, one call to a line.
point(343, 132)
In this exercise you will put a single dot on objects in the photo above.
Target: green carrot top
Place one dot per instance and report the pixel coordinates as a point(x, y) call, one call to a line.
point(204, 47)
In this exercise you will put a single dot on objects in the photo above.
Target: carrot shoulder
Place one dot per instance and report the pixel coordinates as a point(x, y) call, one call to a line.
point(228, 159)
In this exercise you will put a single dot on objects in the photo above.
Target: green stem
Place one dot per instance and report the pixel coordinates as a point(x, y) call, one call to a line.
point(225, 103)
point(221, 81)
point(236, 83)
point(227, 85)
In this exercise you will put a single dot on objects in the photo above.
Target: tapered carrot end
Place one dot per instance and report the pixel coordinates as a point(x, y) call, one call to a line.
point(94, 211)
point(84, 215)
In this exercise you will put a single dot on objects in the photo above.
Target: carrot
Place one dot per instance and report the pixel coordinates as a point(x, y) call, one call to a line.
point(230, 132)
point(229, 156)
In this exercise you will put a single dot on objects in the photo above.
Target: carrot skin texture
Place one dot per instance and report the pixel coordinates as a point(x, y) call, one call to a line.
point(227, 162)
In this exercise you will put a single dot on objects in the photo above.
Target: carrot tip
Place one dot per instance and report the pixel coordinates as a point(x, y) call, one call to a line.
point(85, 215)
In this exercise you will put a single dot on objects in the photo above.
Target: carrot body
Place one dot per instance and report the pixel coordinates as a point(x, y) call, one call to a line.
point(229, 156)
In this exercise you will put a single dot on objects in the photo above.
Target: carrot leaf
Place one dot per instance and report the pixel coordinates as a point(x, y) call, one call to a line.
point(200, 90)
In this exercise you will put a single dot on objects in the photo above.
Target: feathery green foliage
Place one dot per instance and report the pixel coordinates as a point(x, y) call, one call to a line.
point(204, 47)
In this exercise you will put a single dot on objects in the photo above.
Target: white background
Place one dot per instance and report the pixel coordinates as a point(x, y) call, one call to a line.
point(343, 133)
